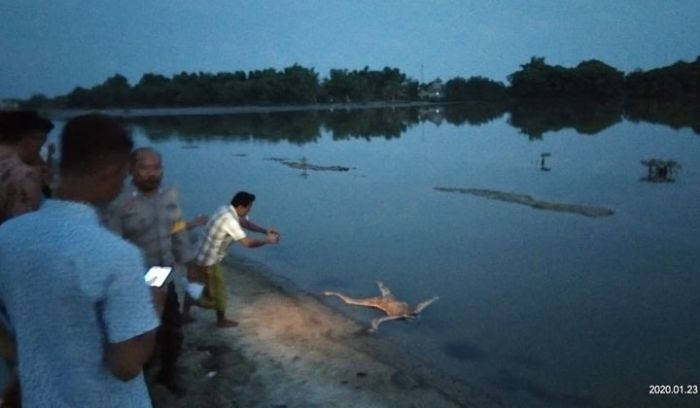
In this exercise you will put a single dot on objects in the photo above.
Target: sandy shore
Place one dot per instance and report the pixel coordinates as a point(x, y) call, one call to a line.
point(292, 350)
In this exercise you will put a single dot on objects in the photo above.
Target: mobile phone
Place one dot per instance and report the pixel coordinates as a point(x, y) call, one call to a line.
point(157, 275)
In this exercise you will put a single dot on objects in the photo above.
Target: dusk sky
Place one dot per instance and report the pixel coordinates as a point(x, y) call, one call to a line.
point(52, 46)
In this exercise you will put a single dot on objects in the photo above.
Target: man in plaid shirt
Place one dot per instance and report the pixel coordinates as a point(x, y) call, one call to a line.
point(225, 227)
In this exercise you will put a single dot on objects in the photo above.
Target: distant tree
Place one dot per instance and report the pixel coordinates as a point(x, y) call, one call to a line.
point(338, 85)
point(299, 85)
point(389, 84)
point(153, 90)
point(265, 87)
point(229, 88)
point(81, 98)
point(678, 81)
point(474, 89)
point(590, 79)
point(596, 79)
point(36, 101)
point(114, 91)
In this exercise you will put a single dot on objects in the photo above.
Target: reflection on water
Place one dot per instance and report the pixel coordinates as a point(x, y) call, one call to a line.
point(543, 161)
point(674, 114)
point(535, 119)
point(294, 127)
point(532, 119)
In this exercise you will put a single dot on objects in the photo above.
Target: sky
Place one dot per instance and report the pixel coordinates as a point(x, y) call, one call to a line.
point(52, 46)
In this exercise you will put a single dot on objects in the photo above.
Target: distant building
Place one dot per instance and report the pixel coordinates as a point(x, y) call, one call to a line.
point(435, 91)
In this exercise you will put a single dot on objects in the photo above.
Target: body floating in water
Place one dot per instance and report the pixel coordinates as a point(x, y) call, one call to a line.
point(386, 302)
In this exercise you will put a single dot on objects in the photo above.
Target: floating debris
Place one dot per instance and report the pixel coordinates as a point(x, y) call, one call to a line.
point(240, 154)
point(307, 166)
point(660, 171)
point(190, 146)
point(304, 165)
point(277, 159)
point(524, 199)
point(543, 164)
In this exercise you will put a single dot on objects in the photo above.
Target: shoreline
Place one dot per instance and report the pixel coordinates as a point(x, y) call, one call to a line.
point(293, 350)
point(230, 110)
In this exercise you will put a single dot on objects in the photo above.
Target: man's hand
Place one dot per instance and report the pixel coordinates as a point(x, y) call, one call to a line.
point(272, 237)
point(197, 221)
point(126, 359)
point(159, 295)
point(275, 233)
point(7, 346)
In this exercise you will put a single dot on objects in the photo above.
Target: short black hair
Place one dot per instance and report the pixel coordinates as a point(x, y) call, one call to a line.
point(242, 198)
point(88, 140)
point(15, 124)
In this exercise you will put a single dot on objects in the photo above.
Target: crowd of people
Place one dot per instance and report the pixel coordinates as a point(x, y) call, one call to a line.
point(78, 322)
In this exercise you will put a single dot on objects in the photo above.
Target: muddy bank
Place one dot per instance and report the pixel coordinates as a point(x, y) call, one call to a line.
point(292, 350)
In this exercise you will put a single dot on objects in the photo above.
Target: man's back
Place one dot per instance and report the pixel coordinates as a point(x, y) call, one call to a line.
point(223, 228)
point(69, 287)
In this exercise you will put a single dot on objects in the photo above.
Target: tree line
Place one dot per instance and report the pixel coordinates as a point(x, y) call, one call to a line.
point(298, 85)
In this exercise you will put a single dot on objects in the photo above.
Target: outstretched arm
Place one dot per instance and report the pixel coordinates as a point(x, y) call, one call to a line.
point(423, 305)
point(255, 243)
point(251, 226)
point(351, 301)
point(197, 221)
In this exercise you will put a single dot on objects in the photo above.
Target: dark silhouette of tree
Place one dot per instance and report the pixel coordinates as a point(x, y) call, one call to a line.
point(475, 113)
point(299, 85)
point(474, 89)
point(153, 90)
point(366, 85)
point(540, 97)
point(39, 100)
point(591, 79)
point(678, 81)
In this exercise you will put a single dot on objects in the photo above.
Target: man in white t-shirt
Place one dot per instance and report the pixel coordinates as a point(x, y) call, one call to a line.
point(72, 292)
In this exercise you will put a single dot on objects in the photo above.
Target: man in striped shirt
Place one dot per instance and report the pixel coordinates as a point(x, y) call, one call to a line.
point(225, 227)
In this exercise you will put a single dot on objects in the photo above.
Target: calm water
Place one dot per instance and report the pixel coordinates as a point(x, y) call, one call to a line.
point(542, 308)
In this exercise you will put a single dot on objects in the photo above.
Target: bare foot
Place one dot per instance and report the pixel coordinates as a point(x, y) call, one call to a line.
point(226, 323)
